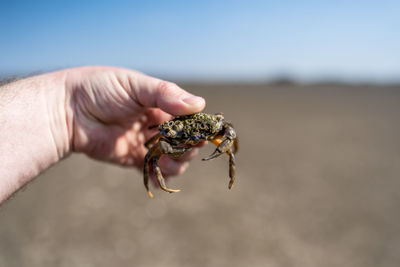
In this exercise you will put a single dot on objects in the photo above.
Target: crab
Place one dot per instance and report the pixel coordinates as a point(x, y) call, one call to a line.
point(180, 134)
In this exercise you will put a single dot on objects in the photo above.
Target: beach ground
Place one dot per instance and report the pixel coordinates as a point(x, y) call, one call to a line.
point(317, 185)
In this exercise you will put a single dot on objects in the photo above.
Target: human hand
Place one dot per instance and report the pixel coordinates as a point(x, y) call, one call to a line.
point(104, 112)
point(109, 111)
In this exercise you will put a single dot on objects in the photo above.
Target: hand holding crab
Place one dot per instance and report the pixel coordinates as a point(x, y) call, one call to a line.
point(179, 135)
point(104, 112)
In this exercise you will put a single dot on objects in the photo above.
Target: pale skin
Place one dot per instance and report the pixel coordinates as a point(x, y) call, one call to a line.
point(103, 112)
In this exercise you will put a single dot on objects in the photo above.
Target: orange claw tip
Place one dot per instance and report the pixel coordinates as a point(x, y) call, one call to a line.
point(150, 194)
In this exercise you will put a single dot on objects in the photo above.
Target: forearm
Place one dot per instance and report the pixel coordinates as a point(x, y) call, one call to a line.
point(33, 129)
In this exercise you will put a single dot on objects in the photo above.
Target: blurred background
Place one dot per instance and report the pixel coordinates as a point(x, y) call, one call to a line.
point(313, 89)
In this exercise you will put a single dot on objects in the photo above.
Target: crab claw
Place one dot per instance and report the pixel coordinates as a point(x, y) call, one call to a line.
point(215, 154)
point(223, 146)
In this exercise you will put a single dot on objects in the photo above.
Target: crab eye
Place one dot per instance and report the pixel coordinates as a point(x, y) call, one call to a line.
point(219, 116)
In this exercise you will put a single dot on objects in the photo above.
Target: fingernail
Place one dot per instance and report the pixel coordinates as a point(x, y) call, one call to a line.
point(192, 100)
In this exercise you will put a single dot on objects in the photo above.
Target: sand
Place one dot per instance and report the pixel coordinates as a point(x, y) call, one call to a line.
point(317, 185)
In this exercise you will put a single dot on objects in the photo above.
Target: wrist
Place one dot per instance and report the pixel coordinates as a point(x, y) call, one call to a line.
point(34, 130)
point(57, 111)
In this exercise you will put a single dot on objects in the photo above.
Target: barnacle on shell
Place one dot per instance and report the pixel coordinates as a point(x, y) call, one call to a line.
point(192, 127)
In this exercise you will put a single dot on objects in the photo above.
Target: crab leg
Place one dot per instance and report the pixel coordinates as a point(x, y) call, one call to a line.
point(231, 153)
point(154, 154)
point(168, 149)
point(161, 180)
point(231, 168)
point(152, 140)
point(150, 154)
point(235, 145)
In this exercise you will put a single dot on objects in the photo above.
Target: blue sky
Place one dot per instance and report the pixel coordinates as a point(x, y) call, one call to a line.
point(206, 40)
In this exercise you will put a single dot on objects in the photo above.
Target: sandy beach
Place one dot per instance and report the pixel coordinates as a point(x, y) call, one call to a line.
point(317, 185)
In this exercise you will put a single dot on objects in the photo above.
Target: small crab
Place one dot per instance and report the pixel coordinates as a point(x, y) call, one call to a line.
point(180, 134)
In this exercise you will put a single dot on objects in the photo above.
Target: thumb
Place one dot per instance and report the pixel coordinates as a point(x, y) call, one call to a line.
point(153, 92)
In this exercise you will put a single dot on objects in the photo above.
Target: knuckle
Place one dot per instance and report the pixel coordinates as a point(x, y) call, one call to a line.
point(164, 87)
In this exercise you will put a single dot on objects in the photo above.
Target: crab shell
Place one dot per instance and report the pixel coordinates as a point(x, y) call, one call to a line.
point(191, 129)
